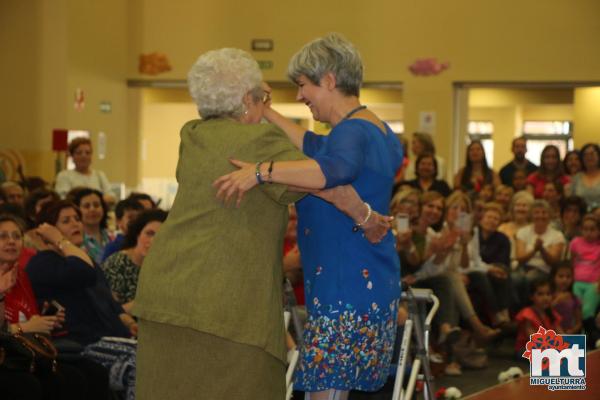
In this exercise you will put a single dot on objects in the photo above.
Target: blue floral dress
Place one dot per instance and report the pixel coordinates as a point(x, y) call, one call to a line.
point(352, 286)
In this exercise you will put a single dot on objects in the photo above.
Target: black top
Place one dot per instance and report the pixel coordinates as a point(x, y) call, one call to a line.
point(507, 172)
point(495, 250)
point(438, 185)
point(90, 310)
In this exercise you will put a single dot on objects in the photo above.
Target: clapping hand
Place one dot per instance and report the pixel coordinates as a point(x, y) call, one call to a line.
point(539, 244)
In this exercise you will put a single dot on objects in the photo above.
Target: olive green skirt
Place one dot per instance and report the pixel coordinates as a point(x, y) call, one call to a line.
point(182, 363)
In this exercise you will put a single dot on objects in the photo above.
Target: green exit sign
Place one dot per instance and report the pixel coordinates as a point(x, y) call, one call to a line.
point(265, 64)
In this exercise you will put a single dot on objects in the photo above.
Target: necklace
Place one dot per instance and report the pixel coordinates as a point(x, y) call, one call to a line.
point(353, 111)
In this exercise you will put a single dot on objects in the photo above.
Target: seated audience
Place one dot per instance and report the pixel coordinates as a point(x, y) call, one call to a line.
point(33, 205)
point(572, 163)
point(476, 172)
point(94, 216)
point(414, 252)
point(144, 199)
point(487, 193)
point(406, 201)
point(572, 210)
point(34, 202)
point(123, 268)
point(21, 385)
point(539, 313)
point(564, 302)
point(553, 193)
point(14, 193)
point(518, 217)
point(490, 265)
point(550, 170)
point(519, 181)
point(75, 377)
point(503, 195)
point(80, 150)
point(125, 211)
point(451, 249)
point(292, 262)
point(585, 253)
point(65, 272)
point(586, 184)
point(426, 172)
point(539, 247)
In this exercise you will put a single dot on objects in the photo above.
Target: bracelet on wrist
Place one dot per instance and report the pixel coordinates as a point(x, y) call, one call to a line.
point(359, 225)
point(61, 243)
point(259, 178)
point(269, 172)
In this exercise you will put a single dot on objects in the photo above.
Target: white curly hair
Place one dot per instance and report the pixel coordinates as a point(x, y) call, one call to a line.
point(219, 80)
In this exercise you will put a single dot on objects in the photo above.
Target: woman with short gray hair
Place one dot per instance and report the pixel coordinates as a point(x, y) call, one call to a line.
point(209, 296)
point(352, 287)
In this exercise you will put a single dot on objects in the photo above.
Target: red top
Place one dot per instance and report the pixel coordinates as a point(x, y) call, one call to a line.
point(538, 182)
point(528, 314)
point(288, 245)
point(20, 304)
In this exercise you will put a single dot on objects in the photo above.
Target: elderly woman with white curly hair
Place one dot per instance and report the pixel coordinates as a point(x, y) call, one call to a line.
point(209, 297)
point(352, 286)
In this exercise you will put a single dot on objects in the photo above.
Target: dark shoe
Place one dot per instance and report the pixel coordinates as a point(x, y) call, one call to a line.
point(449, 338)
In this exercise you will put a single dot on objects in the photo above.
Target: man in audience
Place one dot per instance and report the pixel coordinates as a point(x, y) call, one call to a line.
point(519, 162)
point(14, 193)
point(126, 211)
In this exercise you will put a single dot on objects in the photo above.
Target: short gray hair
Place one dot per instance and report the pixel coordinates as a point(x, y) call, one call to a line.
point(540, 203)
point(219, 80)
point(332, 53)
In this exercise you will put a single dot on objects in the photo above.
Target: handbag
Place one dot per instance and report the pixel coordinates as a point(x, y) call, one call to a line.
point(30, 351)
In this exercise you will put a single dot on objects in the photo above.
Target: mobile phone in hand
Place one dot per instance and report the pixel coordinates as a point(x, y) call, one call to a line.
point(464, 221)
point(52, 309)
point(402, 223)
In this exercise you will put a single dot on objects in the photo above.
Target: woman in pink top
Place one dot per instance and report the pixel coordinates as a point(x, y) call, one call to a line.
point(585, 252)
point(551, 169)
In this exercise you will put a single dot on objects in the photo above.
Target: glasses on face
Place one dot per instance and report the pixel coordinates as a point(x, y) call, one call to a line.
point(5, 236)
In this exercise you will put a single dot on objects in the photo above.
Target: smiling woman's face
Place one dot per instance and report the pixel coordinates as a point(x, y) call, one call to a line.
point(312, 95)
point(11, 242)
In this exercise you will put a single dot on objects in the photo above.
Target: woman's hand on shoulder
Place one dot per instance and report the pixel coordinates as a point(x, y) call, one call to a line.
point(49, 234)
point(236, 183)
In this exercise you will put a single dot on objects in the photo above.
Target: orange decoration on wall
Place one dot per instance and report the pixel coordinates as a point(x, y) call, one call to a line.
point(154, 64)
point(428, 67)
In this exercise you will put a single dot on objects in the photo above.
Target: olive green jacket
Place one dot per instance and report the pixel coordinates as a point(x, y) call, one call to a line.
point(217, 268)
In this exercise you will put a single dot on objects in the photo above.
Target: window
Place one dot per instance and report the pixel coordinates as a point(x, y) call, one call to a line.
point(483, 131)
point(397, 126)
point(539, 134)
